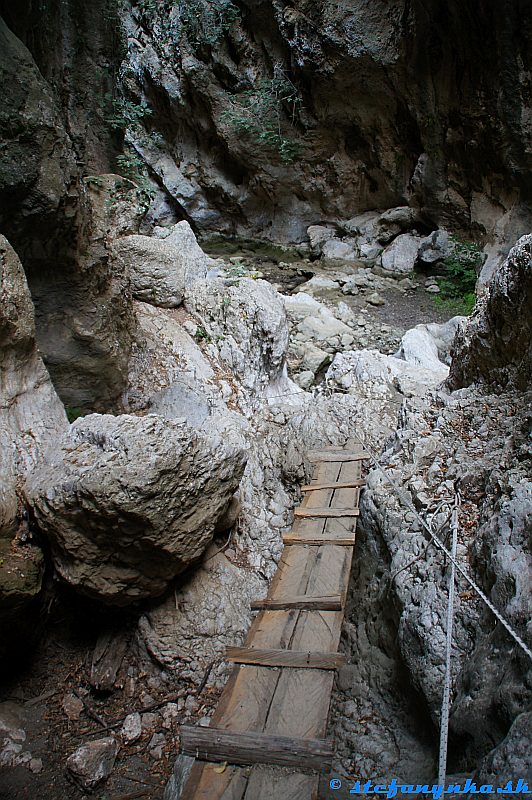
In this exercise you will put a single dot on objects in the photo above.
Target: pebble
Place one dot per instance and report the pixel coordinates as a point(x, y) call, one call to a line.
point(132, 728)
point(375, 299)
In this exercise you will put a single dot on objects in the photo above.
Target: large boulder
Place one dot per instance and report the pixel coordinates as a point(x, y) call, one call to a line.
point(161, 267)
point(401, 256)
point(129, 502)
point(494, 347)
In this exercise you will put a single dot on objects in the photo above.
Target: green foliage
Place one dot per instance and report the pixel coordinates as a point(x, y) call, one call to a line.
point(73, 413)
point(206, 21)
point(260, 114)
point(201, 334)
point(131, 166)
point(458, 290)
point(122, 113)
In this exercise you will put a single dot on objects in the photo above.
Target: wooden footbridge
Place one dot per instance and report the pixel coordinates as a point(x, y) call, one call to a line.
point(267, 739)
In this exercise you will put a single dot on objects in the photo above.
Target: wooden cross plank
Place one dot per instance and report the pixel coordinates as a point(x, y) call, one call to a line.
point(326, 512)
point(252, 747)
point(315, 456)
point(315, 487)
point(298, 659)
point(320, 603)
point(318, 541)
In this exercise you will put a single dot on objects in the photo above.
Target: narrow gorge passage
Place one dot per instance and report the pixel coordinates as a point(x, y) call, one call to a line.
point(234, 233)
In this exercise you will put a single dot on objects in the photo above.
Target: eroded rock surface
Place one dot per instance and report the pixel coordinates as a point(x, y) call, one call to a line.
point(494, 347)
point(160, 268)
point(127, 502)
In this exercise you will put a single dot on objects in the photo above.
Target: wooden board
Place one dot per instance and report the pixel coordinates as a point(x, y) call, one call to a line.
point(291, 539)
point(318, 603)
point(241, 747)
point(284, 658)
point(314, 487)
point(326, 512)
point(315, 456)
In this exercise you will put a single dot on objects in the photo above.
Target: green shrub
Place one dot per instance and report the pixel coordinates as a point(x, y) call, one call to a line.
point(206, 21)
point(262, 114)
point(122, 114)
point(131, 166)
point(73, 413)
point(458, 290)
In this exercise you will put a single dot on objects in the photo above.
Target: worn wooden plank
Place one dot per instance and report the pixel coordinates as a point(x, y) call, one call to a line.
point(277, 783)
point(340, 456)
point(314, 487)
point(253, 747)
point(284, 658)
point(319, 603)
point(326, 512)
point(291, 539)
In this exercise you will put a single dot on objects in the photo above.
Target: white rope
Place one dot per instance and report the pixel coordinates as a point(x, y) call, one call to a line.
point(446, 699)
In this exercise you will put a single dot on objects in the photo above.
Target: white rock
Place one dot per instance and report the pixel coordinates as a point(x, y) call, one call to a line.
point(149, 471)
point(160, 269)
point(314, 359)
point(320, 283)
point(132, 728)
point(336, 249)
point(318, 234)
point(435, 247)
point(401, 255)
point(92, 763)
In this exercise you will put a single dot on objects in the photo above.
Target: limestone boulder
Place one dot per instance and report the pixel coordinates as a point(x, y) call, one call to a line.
point(435, 248)
point(337, 250)
point(161, 267)
point(318, 235)
point(402, 254)
point(129, 502)
point(419, 348)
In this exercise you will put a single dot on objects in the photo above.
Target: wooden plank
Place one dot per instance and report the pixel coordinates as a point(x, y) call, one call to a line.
point(326, 512)
point(292, 539)
point(284, 658)
point(340, 456)
point(252, 747)
point(319, 603)
point(278, 783)
point(315, 487)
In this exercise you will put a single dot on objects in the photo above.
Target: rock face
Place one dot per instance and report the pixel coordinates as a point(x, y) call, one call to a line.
point(31, 415)
point(129, 502)
point(495, 345)
point(355, 103)
point(246, 321)
point(161, 268)
point(32, 418)
point(476, 442)
point(59, 226)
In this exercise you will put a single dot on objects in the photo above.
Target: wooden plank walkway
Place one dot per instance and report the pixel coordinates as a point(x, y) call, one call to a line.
point(271, 715)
